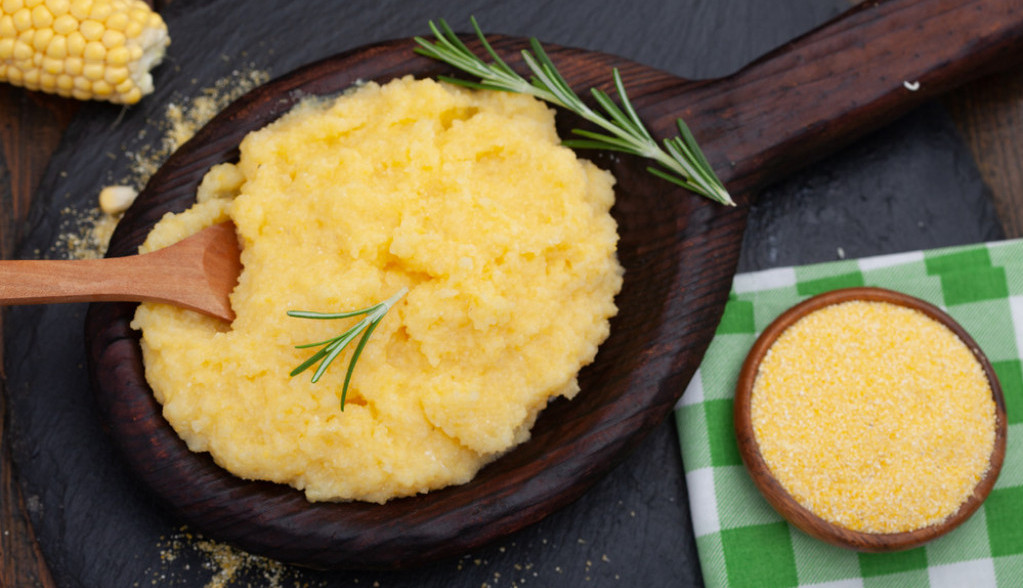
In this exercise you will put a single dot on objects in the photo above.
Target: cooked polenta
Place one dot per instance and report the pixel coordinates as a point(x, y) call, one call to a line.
point(502, 236)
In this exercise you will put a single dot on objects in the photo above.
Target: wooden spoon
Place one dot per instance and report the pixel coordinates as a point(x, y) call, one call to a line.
point(197, 273)
point(805, 100)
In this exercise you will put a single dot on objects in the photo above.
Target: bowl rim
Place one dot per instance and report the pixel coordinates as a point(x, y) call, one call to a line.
point(805, 519)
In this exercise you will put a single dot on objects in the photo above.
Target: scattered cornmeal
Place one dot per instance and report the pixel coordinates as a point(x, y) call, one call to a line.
point(874, 416)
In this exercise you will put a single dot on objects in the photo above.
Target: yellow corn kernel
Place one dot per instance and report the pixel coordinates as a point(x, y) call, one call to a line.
point(95, 52)
point(32, 79)
point(7, 30)
point(53, 66)
point(131, 96)
point(73, 66)
point(124, 87)
point(116, 199)
point(107, 47)
point(134, 28)
point(65, 24)
point(118, 57)
point(118, 21)
point(76, 44)
point(57, 49)
point(47, 81)
point(115, 75)
point(22, 19)
point(41, 39)
point(101, 88)
point(112, 39)
point(58, 7)
point(92, 30)
point(93, 71)
point(22, 51)
point(100, 11)
point(80, 9)
point(41, 17)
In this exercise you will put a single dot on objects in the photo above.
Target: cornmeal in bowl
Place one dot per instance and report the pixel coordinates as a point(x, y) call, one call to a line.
point(874, 416)
point(502, 236)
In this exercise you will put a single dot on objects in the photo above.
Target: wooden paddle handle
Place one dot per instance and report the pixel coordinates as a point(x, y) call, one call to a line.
point(844, 79)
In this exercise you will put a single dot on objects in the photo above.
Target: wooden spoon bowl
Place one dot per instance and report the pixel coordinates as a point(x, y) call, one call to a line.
point(679, 252)
point(806, 519)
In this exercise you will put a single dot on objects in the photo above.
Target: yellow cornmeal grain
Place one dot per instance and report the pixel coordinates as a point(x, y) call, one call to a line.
point(874, 416)
point(503, 237)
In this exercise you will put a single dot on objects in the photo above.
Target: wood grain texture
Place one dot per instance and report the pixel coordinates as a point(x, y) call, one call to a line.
point(31, 125)
point(799, 103)
point(23, 157)
point(806, 519)
point(197, 273)
point(839, 82)
point(30, 129)
point(990, 115)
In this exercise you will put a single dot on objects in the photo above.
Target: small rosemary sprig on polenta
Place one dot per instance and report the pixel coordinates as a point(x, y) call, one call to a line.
point(681, 160)
point(333, 347)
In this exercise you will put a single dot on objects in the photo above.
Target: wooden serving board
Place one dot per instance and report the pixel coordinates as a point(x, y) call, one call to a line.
point(700, 221)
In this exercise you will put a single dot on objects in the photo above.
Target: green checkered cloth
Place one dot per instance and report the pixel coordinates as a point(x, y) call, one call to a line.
point(742, 541)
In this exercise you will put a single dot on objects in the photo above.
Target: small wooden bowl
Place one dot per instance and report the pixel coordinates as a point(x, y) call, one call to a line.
point(802, 517)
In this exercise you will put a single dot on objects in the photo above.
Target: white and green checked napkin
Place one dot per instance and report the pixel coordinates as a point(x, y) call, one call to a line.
point(742, 541)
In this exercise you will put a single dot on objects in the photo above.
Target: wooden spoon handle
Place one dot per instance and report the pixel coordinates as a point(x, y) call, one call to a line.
point(54, 281)
point(197, 273)
point(844, 79)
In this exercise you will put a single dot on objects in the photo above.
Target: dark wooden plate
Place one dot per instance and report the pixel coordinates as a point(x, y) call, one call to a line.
point(802, 517)
point(792, 107)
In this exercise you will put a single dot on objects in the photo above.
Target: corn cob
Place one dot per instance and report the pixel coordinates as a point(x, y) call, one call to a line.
point(84, 49)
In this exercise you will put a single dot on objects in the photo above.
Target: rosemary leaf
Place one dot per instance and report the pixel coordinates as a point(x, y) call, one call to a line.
point(331, 348)
point(681, 159)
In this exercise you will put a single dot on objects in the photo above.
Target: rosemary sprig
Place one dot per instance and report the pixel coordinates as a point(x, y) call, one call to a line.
point(333, 347)
point(681, 160)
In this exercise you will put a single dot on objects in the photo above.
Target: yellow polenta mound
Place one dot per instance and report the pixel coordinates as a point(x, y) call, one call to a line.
point(503, 237)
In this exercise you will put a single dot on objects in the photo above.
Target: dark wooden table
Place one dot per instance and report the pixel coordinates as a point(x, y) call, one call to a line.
point(988, 113)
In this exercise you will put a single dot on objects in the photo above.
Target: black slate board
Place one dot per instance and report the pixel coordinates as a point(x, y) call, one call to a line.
point(912, 185)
